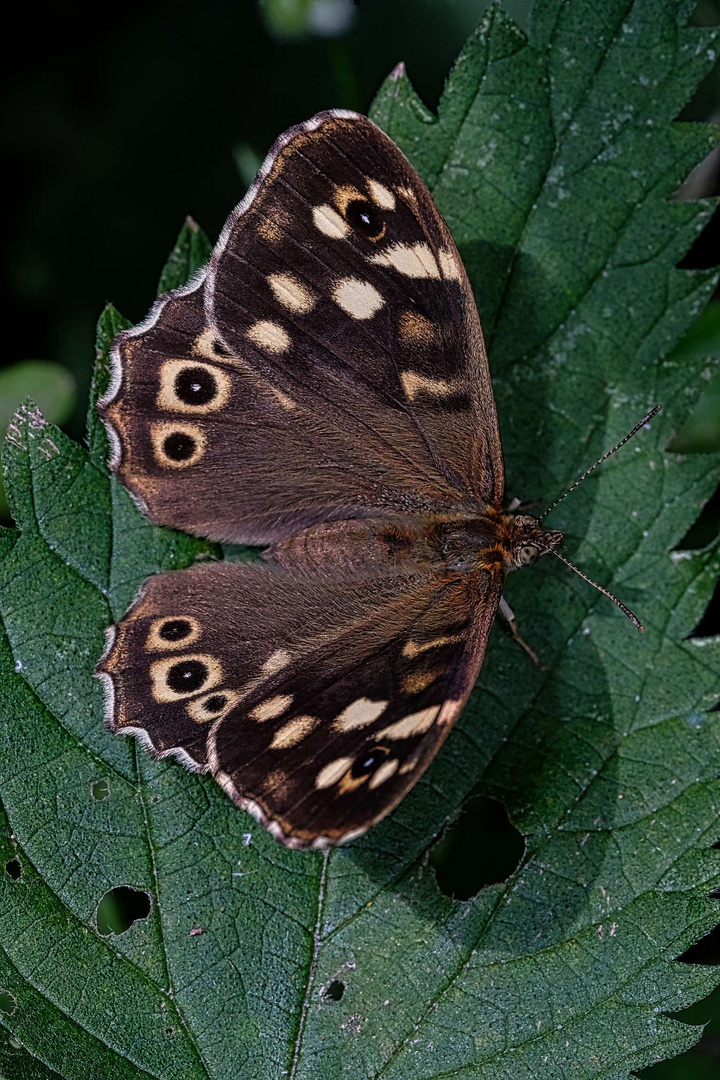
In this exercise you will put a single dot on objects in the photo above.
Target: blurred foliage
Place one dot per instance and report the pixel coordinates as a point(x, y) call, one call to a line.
point(50, 385)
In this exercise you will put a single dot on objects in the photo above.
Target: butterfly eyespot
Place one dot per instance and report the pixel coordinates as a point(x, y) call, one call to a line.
point(179, 446)
point(365, 219)
point(219, 348)
point(175, 630)
point(169, 634)
point(212, 706)
point(215, 704)
point(196, 386)
point(370, 761)
point(187, 676)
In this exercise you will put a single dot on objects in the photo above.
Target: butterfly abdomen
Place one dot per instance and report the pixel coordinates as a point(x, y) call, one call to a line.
point(356, 545)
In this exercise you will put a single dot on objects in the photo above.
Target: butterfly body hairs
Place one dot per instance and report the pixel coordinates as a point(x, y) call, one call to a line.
point(321, 390)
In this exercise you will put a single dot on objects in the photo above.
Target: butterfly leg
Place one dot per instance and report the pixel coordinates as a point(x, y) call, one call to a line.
point(518, 505)
point(507, 612)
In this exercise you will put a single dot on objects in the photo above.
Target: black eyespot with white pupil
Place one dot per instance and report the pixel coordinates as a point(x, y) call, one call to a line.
point(195, 386)
point(365, 218)
point(179, 446)
point(186, 676)
point(175, 630)
point(370, 761)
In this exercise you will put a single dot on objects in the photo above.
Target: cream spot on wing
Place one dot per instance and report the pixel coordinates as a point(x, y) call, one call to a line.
point(414, 383)
point(407, 194)
point(269, 336)
point(205, 344)
point(293, 732)
point(381, 195)
point(333, 772)
point(170, 625)
point(386, 770)
point(412, 260)
point(177, 382)
point(212, 706)
point(450, 265)
point(417, 329)
point(291, 292)
point(276, 662)
point(414, 724)
point(358, 298)
point(274, 706)
point(410, 764)
point(329, 222)
point(420, 680)
point(359, 714)
point(414, 648)
point(189, 438)
point(167, 682)
point(283, 399)
point(449, 711)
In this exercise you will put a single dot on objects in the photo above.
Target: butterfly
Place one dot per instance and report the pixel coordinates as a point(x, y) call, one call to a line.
point(321, 389)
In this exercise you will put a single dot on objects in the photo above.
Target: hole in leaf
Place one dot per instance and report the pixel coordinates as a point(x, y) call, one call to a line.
point(14, 869)
point(709, 625)
point(8, 1004)
point(704, 951)
point(481, 848)
point(705, 528)
point(335, 990)
point(100, 790)
point(120, 908)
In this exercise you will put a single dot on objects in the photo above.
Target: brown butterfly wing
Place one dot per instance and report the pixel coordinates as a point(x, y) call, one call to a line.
point(320, 713)
point(244, 461)
point(313, 373)
point(341, 258)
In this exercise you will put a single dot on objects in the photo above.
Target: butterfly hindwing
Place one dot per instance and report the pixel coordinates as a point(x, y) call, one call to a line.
point(317, 700)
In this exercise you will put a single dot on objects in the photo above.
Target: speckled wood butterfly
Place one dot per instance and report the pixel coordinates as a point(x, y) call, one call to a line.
point(320, 389)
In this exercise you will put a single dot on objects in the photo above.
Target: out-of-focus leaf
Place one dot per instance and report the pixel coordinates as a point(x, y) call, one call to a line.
point(50, 384)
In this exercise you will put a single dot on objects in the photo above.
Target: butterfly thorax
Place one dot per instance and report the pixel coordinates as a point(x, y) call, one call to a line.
point(490, 540)
point(496, 541)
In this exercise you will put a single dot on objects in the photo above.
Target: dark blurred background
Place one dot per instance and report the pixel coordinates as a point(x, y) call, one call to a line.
point(118, 121)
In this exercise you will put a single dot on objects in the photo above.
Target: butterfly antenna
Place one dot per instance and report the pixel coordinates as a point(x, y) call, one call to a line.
point(606, 592)
point(641, 423)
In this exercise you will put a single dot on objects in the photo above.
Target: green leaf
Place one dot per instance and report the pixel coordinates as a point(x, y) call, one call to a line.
point(701, 432)
point(554, 160)
point(191, 252)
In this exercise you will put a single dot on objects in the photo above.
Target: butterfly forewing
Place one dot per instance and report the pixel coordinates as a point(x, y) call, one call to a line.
point(375, 310)
point(209, 444)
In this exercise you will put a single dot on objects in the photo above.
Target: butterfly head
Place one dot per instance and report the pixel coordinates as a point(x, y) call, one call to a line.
point(530, 540)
